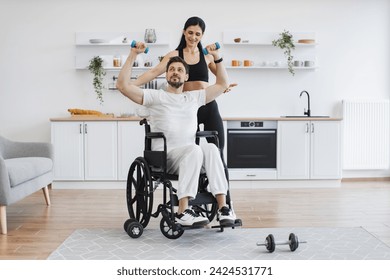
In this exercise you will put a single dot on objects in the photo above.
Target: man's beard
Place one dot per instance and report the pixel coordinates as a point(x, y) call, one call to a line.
point(175, 84)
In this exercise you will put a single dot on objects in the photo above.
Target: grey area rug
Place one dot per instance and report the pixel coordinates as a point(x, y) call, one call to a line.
point(232, 244)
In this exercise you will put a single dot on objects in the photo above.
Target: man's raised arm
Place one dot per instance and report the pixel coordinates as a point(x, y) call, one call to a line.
point(221, 83)
point(124, 83)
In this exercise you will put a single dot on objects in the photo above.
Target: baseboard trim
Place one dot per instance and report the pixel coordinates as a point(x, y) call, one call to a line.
point(285, 184)
point(366, 179)
point(89, 185)
point(235, 184)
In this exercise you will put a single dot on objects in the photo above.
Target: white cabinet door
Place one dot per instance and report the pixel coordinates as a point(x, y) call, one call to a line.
point(131, 137)
point(293, 150)
point(100, 150)
point(325, 150)
point(309, 150)
point(68, 141)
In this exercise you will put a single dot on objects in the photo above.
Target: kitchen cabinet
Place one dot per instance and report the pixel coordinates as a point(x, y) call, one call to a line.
point(309, 150)
point(256, 47)
point(85, 150)
point(130, 145)
point(91, 151)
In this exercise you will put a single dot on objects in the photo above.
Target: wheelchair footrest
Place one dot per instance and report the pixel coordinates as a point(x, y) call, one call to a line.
point(237, 223)
point(194, 227)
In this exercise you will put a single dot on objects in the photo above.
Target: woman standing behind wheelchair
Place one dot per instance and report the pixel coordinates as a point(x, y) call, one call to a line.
point(190, 49)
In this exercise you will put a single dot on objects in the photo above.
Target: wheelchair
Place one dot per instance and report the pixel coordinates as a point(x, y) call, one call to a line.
point(147, 173)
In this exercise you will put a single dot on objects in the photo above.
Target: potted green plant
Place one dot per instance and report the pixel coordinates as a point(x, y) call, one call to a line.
point(96, 68)
point(286, 43)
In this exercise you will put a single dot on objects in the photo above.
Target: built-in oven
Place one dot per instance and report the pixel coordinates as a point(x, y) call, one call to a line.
point(251, 149)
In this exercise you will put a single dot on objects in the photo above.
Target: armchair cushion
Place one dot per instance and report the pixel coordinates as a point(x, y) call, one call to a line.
point(21, 170)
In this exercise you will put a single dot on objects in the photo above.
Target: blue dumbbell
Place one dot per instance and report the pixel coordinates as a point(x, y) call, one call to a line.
point(206, 52)
point(134, 43)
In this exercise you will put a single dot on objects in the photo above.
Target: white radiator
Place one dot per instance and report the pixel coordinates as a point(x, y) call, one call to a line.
point(366, 134)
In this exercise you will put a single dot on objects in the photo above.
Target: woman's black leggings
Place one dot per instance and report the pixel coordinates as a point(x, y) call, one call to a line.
point(209, 116)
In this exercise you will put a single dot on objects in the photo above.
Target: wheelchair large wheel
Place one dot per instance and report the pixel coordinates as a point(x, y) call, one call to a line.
point(139, 192)
point(168, 231)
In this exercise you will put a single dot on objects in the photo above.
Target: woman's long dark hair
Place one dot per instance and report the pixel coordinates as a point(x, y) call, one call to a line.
point(191, 22)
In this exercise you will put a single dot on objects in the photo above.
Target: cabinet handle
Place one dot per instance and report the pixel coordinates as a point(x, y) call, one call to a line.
point(312, 128)
point(307, 128)
point(81, 128)
point(85, 128)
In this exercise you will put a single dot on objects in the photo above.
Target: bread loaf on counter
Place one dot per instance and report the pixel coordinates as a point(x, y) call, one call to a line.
point(84, 112)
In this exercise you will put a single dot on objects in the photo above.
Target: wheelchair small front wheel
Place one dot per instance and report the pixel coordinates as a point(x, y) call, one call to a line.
point(134, 229)
point(168, 230)
point(127, 223)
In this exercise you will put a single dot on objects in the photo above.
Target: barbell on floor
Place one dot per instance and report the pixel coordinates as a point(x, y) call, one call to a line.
point(270, 243)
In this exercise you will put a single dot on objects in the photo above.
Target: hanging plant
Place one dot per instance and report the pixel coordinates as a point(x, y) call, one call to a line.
point(96, 68)
point(286, 43)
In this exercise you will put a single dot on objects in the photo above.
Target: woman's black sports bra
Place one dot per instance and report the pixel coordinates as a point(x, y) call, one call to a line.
point(199, 71)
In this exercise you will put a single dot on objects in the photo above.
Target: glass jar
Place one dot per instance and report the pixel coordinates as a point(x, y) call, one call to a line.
point(117, 62)
point(150, 36)
point(112, 85)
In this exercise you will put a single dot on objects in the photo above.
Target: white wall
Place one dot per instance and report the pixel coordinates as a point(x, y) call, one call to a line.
point(38, 79)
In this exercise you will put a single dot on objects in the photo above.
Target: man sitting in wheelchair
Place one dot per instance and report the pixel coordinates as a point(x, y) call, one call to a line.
point(174, 113)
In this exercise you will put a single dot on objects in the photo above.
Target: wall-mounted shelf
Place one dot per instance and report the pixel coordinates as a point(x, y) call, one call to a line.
point(112, 45)
point(127, 44)
point(119, 68)
point(266, 44)
point(257, 47)
point(261, 38)
point(268, 67)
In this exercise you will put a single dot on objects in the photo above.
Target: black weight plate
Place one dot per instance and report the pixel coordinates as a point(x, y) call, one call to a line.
point(135, 229)
point(293, 242)
point(270, 243)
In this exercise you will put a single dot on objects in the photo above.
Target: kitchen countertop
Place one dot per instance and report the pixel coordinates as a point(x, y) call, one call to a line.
point(135, 118)
point(78, 118)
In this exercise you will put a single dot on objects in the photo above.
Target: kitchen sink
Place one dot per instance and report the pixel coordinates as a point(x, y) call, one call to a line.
point(305, 117)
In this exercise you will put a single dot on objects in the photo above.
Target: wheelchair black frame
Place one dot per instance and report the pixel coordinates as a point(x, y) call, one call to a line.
point(157, 164)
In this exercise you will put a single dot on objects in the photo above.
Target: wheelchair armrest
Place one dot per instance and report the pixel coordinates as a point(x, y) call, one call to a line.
point(207, 134)
point(152, 135)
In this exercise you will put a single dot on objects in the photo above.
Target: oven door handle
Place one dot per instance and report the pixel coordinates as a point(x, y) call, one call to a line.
point(251, 131)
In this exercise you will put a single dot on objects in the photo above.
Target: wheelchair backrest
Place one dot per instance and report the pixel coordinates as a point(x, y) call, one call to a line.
point(148, 141)
point(157, 160)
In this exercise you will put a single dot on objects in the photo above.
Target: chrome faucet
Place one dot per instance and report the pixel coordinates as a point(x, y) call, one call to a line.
point(307, 113)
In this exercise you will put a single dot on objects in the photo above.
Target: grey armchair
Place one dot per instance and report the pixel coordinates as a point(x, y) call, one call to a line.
point(25, 167)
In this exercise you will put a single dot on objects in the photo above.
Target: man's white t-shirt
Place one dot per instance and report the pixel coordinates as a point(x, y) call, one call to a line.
point(175, 115)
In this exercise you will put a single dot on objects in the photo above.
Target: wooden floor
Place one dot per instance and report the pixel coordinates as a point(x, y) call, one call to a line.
point(34, 230)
